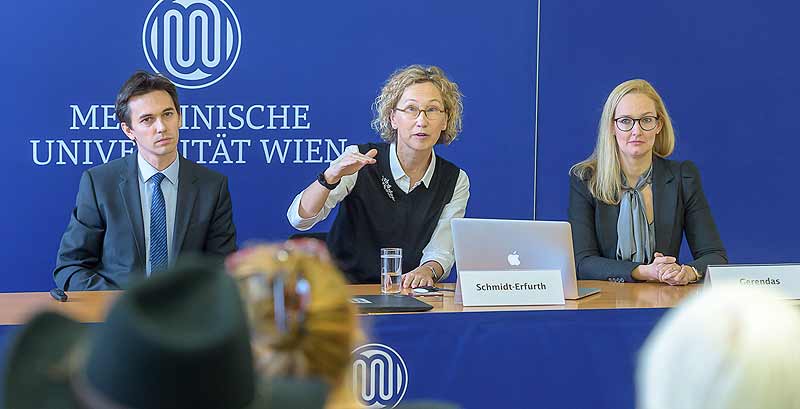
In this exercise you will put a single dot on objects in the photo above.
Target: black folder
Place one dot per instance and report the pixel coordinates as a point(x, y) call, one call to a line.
point(389, 303)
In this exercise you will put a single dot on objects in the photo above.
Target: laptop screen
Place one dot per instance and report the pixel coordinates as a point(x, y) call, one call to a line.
point(505, 245)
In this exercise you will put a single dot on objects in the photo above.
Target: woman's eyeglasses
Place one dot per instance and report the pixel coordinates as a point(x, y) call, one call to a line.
point(432, 113)
point(646, 123)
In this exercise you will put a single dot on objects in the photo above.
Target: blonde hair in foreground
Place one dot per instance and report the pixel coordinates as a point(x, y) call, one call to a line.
point(602, 168)
point(397, 83)
point(728, 348)
point(318, 341)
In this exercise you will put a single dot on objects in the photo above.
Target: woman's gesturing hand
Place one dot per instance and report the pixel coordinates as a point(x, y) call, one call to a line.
point(348, 164)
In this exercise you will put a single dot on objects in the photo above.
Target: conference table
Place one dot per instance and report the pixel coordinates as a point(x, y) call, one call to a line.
point(578, 355)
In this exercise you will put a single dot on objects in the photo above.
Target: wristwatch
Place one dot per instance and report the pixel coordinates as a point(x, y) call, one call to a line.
point(324, 182)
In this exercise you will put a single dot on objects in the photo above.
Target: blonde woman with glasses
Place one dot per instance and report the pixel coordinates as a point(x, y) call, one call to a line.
point(630, 206)
point(398, 193)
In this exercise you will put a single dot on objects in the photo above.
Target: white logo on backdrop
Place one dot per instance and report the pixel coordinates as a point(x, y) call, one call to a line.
point(380, 376)
point(193, 42)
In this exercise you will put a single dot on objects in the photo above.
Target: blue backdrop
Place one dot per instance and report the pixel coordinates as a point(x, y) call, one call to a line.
point(729, 81)
point(727, 75)
point(325, 61)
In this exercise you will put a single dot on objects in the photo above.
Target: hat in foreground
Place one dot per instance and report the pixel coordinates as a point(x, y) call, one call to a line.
point(179, 339)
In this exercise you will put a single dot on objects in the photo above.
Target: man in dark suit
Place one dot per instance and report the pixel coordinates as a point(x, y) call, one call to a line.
point(136, 215)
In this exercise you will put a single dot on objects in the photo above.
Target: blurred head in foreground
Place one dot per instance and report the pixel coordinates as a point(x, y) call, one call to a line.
point(723, 349)
point(303, 322)
point(177, 340)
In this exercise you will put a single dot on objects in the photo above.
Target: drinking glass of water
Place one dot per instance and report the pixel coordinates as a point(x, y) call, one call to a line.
point(391, 270)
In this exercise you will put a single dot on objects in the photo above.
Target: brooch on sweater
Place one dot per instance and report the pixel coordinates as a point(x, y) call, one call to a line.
point(387, 187)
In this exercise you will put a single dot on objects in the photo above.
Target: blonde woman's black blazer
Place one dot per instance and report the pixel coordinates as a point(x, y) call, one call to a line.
point(680, 207)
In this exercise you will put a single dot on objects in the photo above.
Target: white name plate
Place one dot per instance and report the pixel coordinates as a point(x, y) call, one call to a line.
point(518, 287)
point(784, 278)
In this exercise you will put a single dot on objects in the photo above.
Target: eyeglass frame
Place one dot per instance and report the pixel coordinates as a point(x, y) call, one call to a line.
point(635, 121)
point(403, 110)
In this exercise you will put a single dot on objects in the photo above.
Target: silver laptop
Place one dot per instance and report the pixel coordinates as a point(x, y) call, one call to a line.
point(504, 245)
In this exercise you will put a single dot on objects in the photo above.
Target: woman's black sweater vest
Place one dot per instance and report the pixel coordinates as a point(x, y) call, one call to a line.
point(377, 213)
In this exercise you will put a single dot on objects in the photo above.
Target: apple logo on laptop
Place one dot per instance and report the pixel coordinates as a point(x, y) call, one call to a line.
point(513, 259)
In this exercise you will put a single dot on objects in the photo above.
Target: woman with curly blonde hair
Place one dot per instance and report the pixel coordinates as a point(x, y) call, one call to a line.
point(398, 193)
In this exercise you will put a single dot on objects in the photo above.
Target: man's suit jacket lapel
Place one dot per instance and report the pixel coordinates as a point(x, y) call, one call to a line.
point(665, 198)
point(129, 189)
point(187, 195)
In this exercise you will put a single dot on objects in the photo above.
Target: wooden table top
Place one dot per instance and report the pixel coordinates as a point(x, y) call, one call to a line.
point(83, 306)
point(91, 306)
point(611, 296)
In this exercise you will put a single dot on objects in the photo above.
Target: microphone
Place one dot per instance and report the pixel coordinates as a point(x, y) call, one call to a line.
point(59, 294)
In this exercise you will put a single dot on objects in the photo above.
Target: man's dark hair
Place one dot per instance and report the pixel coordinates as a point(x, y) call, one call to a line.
point(140, 83)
